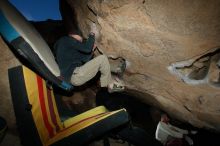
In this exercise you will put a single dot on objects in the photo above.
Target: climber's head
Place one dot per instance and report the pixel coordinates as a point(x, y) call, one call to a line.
point(77, 37)
point(76, 34)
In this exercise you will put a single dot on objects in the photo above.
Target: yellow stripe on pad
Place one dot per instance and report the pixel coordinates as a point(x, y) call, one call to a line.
point(32, 93)
point(81, 125)
point(90, 113)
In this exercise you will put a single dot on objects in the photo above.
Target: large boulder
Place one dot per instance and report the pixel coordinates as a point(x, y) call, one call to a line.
point(171, 49)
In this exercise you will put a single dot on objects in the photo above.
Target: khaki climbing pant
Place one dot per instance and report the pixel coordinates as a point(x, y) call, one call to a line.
point(86, 72)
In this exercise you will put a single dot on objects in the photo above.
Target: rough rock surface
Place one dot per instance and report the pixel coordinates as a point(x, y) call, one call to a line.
point(171, 48)
point(7, 60)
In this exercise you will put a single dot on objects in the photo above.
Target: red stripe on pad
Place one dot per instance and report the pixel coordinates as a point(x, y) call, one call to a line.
point(43, 107)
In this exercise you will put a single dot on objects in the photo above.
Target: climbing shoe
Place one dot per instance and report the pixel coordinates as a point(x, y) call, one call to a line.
point(116, 86)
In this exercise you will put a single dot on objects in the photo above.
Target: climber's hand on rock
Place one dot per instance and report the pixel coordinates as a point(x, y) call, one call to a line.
point(94, 47)
point(94, 29)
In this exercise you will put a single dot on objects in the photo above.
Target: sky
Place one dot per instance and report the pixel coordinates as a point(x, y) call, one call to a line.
point(38, 10)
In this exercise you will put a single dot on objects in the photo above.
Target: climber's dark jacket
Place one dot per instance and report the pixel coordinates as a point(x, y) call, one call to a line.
point(71, 53)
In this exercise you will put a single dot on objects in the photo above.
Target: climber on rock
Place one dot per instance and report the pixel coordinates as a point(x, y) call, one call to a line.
point(75, 59)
